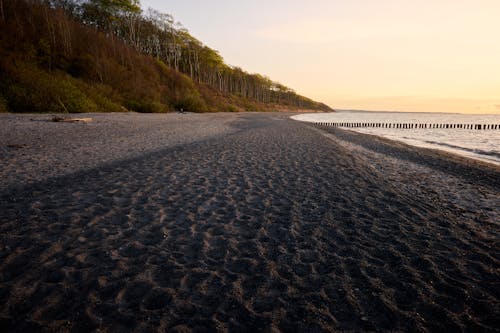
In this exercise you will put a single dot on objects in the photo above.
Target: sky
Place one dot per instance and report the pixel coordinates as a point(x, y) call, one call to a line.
point(391, 55)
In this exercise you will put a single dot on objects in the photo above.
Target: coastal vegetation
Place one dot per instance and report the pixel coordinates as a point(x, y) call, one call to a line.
point(109, 55)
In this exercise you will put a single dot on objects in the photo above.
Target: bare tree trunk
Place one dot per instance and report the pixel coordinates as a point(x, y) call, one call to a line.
point(52, 42)
point(65, 32)
point(197, 65)
point(2, 15)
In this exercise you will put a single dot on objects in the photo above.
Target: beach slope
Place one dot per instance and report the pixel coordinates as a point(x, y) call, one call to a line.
point(240, 222)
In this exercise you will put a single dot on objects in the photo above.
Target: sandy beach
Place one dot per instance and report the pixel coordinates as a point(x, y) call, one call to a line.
point(240, 222)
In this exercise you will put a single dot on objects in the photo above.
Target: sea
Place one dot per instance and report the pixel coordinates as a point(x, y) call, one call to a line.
point(478, 144)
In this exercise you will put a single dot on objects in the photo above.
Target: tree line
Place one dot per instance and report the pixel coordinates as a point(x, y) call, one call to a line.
point(159, 35)
point(114, 30)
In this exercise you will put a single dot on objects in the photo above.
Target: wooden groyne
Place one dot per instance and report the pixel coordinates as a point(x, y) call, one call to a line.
point(410, 125)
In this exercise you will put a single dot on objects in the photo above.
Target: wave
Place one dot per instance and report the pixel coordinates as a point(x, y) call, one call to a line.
point(491, 153)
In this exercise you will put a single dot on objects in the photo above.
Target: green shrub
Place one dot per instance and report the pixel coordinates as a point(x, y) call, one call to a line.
point(3, 105)
point(105, 98)
point(104, 104)
point(72, 98)
point(190, 101)
point(231, 108)
point(34, 90)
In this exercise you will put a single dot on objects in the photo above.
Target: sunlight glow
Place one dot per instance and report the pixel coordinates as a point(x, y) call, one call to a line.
point(428, 55)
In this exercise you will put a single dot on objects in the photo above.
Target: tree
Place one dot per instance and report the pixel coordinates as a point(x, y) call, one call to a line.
point(104, 14)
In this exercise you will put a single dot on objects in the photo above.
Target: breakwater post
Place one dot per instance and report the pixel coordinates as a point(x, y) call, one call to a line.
point(410, 125)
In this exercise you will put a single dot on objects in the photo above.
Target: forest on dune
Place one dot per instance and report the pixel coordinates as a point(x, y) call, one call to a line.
point(72, 56)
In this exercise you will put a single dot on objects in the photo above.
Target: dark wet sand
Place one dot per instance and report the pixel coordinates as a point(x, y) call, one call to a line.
point(258, 223)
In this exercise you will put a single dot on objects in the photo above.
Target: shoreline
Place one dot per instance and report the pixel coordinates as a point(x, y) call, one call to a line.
point(437, 147)
point(242, 222)
point(437, 131)
point(434, 156)
point(434, 170)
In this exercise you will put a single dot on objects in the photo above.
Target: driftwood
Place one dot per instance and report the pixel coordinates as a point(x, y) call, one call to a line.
point(59, 119)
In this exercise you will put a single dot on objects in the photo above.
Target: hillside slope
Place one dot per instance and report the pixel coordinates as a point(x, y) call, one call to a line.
point(69, 56)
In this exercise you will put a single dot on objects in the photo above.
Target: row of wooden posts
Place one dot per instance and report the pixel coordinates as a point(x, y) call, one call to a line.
point(412, 126)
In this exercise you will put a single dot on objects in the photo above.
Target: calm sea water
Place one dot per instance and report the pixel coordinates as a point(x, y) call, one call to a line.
point(478, 144)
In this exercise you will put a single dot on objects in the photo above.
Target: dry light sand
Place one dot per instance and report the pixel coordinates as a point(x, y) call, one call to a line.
point(240, 222)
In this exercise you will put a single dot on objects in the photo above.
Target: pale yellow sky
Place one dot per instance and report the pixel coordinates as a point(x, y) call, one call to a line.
point(418, 55)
